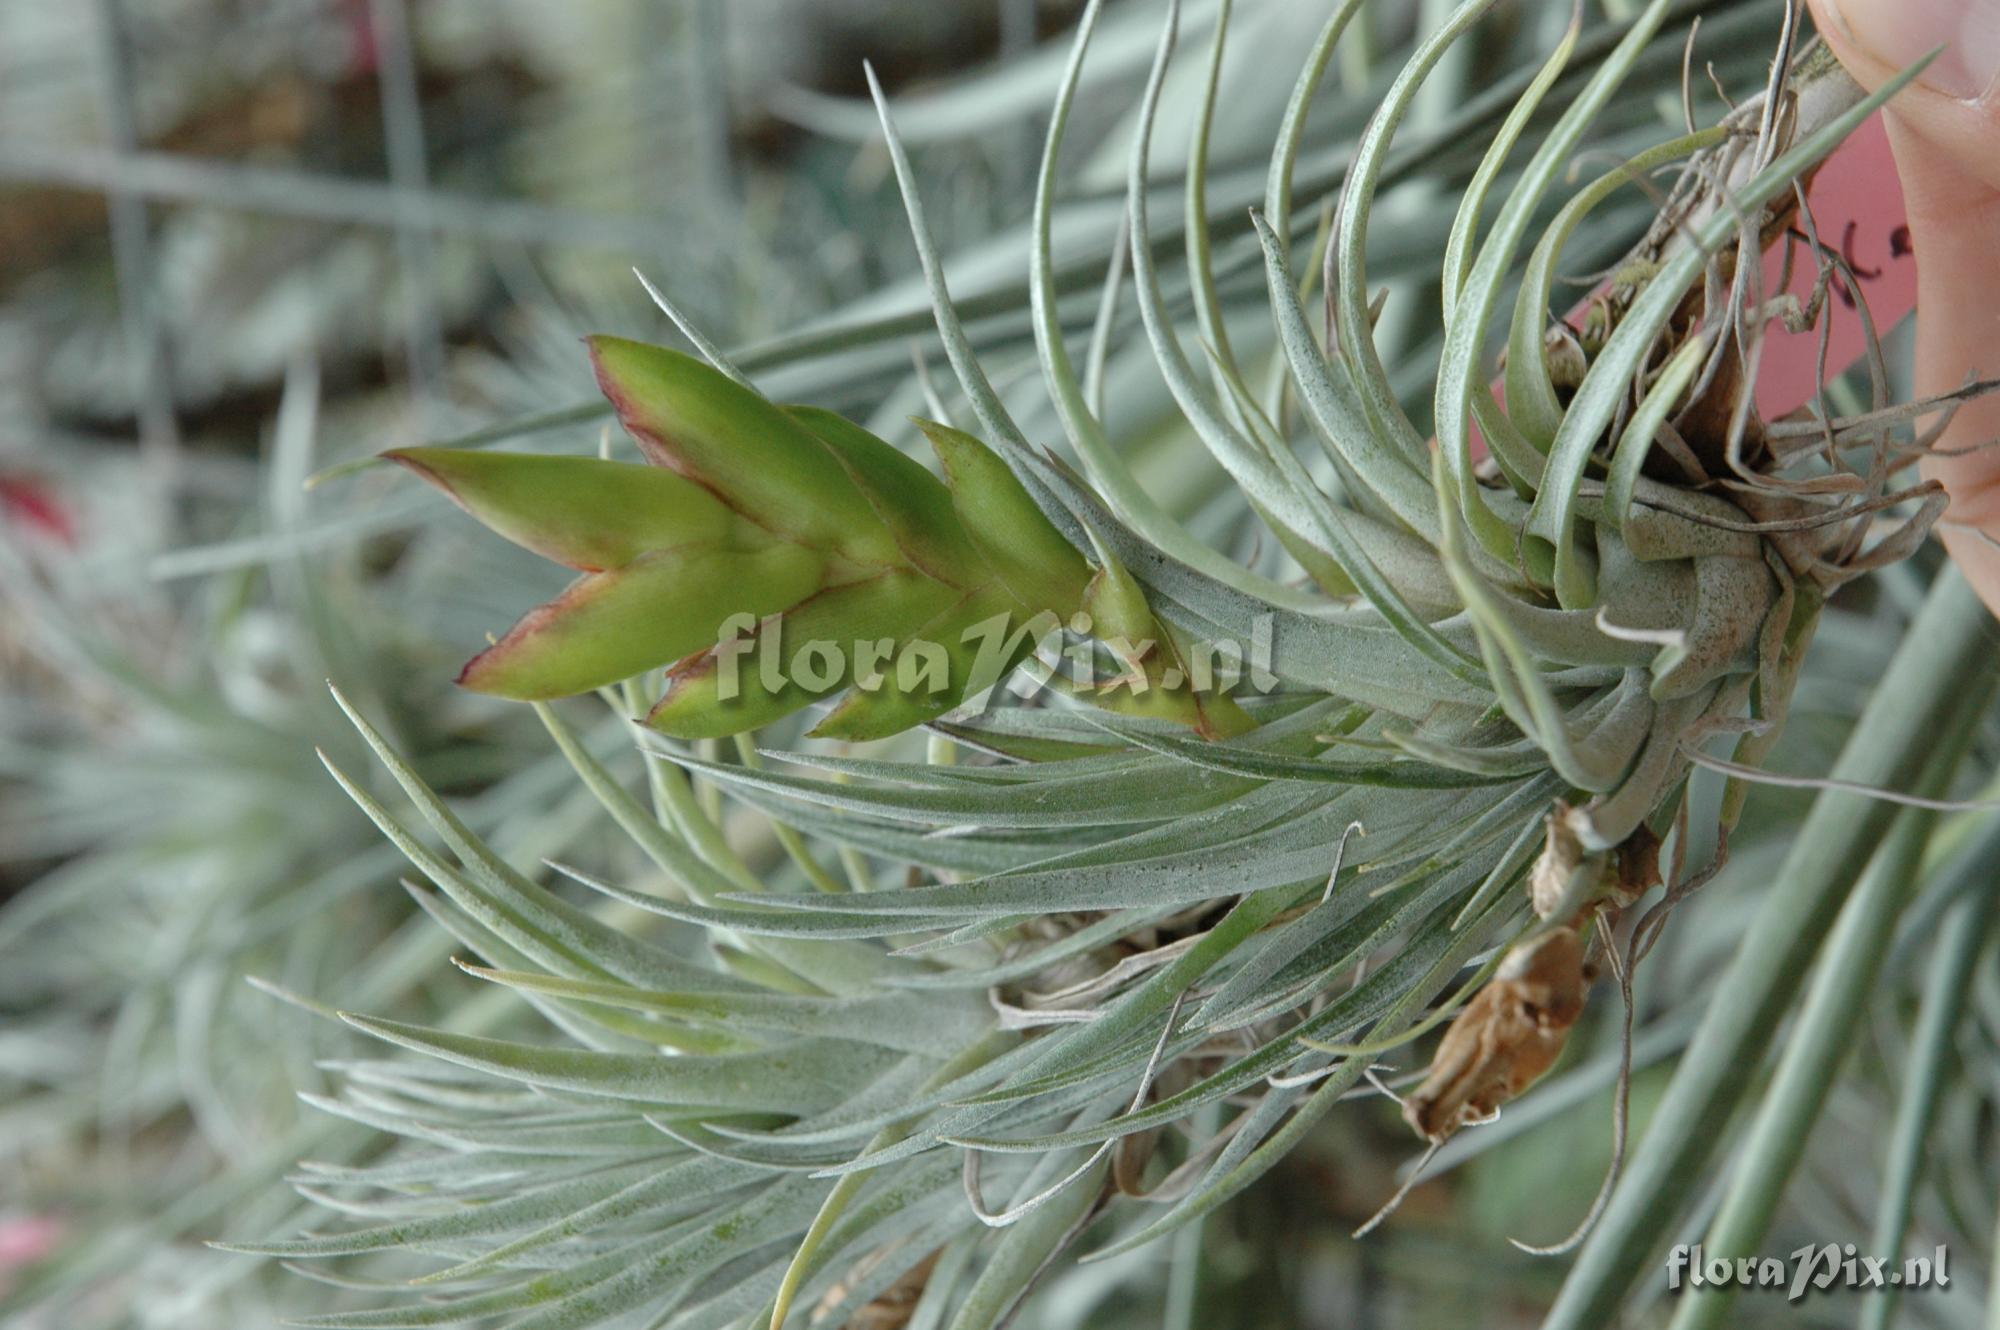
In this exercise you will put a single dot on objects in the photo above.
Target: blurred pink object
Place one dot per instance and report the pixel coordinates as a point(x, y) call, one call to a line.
point(1857, 206)
point(24, 1240)
point(36, 507)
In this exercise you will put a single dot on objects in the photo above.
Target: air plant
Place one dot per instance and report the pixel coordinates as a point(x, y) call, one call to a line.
point(1103, 958)
point(159, 770)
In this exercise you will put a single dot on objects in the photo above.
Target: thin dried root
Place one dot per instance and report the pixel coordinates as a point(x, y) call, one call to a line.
point(1013, 1214)
point(1621, 1104)
point(1390, 1206)
point(1759, 776)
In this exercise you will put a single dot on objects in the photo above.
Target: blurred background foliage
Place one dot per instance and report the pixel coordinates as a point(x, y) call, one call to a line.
point(240, 242)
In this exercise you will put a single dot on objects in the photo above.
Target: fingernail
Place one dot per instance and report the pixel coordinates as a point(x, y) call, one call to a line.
point(1900, 32)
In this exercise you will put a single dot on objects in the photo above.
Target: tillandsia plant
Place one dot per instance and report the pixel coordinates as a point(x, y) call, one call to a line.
point(1109, 969)
point(158, 770)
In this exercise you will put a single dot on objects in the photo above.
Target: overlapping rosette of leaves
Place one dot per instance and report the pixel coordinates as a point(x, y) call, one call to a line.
point(774, 555)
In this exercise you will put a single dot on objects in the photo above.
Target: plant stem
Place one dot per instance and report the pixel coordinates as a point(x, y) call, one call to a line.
point(1184, 1265)
point(1843, 980)
point(1961, 939)
point(1993, 1285)
point(1946, 653)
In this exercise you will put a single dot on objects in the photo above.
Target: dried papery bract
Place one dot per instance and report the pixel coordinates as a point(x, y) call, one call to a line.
point(1515, 1026)
point(1562, 855)
point(1511, 1032)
